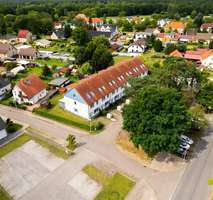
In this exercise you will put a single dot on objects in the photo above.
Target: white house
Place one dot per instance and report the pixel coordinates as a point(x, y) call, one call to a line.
point(3, 132)
point(95, 93)
point(137, 47)
point(5, 87)
point(163, 22)
point(141, 35)
point(29, 90)
point(207, 60)
point(207, 26)
point(57, 35)
point(25, 36)
point(7, 51)
point(42, 43)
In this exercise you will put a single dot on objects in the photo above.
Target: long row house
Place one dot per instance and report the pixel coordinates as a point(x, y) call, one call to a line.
point(97, 92)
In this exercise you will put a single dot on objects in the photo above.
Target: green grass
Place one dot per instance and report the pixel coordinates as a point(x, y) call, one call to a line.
point(210, 181)
point(4, 194)
point(115, 187)
point(118, 59)
point(19, 141)
point(51, 62)
point(60, 115)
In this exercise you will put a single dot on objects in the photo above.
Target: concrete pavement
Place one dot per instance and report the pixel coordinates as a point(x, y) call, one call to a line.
point(102, 145)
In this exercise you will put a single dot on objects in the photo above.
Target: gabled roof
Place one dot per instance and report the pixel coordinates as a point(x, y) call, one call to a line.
point(204, 36)
point(31, 85)
point(27, 51)
point(95, 20)
point(97, 86)
point(23, 33)
point(199, 54)
point(140, 43)
point(176, 53)
point(207, 25)
point(175, 25)
point(94, 33)
point(4, 48)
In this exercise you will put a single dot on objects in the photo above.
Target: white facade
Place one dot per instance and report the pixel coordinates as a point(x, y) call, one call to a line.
point(4, 90)
point(208, 62)
point(3, 133)
point(141, 35)
point(135, 48)
point(74, 103)
point(20, 97)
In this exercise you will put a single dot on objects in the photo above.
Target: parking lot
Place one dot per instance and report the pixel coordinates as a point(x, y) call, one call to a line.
point(25, 167)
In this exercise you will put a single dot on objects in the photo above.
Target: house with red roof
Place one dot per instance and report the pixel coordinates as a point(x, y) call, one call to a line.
point(95, 22)
point(176, 53)
point(29, 90)
point(91, 95)
point(207, 26)
point(24, 35)
point(175, 26)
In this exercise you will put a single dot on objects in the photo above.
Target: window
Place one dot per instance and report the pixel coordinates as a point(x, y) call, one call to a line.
point(75, 109)
point(75, 102)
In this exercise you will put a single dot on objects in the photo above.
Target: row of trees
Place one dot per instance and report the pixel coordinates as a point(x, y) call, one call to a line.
point(166, 104)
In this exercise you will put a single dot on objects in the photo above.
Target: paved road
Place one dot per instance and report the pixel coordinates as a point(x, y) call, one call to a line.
point(103, 145)
point(194, 183)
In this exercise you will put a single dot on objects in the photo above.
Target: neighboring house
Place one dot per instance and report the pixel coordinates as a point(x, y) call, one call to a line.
point(7, 51)
point(175, 26)
point(8, 38)
point(207, 27)
point(107, 28)
point(25, 36)
point(42, 43)
point(138, 46)
point(207, 59)
point(29, 90)
point(162, 22)
point(207, 37)
point(57, 35)
point(153, 31)
point(95, 22)
point(5, 87)
point(94, 33)
point(168, 37)
point(91, 95)
point(59, 82)
point(176, 53)
point(16, 70)
point(141, 35)
point(3, 132)
point(187, 38)
point(191, 31)
point(28, 53)
point(57, 25)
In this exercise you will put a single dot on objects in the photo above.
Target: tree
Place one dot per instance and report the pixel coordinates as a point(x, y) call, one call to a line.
point(181, 47)
point(158, 46)
point(46, 71)
point(67, 31)
point(169, 49)
point(80, 55)
point(193, 14)
point(10, 65)
point(86, 68)
point(205, 95)
point(127, 26)
point(211, 44)
point(198, 20)
point(80, 35)
point(156, 118)
point(72, 145)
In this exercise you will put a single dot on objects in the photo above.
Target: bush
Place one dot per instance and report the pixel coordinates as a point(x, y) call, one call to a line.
point(97, 126)
point(12, 127)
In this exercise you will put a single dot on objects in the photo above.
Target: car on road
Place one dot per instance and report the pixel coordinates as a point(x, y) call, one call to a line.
point(186, 139)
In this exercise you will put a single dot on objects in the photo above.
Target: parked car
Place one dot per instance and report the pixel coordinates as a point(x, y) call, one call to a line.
point(185, 146)
point(186, 139)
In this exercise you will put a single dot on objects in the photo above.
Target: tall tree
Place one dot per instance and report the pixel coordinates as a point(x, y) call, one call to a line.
point(80, 35)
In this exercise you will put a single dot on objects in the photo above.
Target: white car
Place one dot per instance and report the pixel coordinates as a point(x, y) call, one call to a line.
point(186, 139)
point(187, 146)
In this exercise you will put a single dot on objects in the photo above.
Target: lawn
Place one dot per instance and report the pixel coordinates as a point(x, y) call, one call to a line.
point(118, 59)
point(4, 195)
point(51, 62)
point(115, 187)
point(19, 141)
point(58, 114)
point(210, 181)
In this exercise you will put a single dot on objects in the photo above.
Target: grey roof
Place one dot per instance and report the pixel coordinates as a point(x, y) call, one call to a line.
point(94, 33)
point(58, 81)
point(2, 124)
point(59, 34)
point(28, 52)
point(4, 48)
point(3, 82)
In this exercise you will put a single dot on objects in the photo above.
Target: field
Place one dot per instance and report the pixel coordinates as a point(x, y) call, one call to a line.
point(115, 187)
point(51, 62)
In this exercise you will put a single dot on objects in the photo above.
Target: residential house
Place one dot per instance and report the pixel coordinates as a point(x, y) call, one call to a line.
point(138, 46)
point(176, 53)
point(175, 26)
point(42, 43)
point(7, 51)
point(57, 35)
point(206, 37)
point(191, 31)
point(29, 90)
point(91, 95)
point(166, 38)
point(163, 22)
point(8, 38)
point(25, 36)
point(28, 53)
point(57, 25)
point(59, 82)
point(107, 28)
point(5, 87)
point(94, 33)
point(207, 27)
point(207, 59)
point(3, 132)
point(187, 38)
point(95, 22)
point(153, 31)
point(141, 35)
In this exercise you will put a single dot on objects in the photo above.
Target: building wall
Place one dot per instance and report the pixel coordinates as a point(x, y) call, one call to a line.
point(5, 89)
point(208, 62)
point(3, 134)
point(136, 49)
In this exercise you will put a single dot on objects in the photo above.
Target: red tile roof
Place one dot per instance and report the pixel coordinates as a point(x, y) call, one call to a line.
point(31, 85)
point(176, 53)
point(207, 25)
point(22, 33)
point(97, 86)
point(95, 20)
point(175, 25)
point(199, 54)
